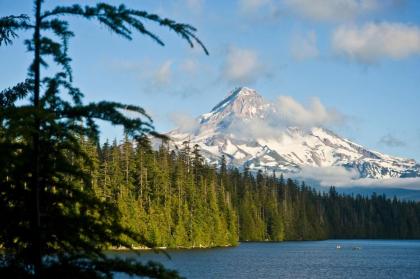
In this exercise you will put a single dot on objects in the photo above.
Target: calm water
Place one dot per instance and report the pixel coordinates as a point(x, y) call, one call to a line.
point(312, 259)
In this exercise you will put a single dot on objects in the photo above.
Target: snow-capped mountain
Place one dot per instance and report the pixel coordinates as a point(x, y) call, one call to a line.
point(239, 128)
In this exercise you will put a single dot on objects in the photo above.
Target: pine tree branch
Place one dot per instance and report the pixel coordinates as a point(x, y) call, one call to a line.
point(9, 96)
point(110, 111)
point(9, 25)
point(120, 20)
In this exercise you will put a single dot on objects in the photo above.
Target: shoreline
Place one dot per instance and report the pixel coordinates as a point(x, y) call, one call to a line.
point(145, 248)
point(165, 248)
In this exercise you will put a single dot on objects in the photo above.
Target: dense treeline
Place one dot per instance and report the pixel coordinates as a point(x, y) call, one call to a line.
point(171, 198)
point(176, 200)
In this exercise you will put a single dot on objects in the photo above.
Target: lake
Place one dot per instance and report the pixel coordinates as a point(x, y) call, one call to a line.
point(303, 259)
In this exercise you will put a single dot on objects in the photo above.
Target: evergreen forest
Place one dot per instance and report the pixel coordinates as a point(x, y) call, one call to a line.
point(175, 199)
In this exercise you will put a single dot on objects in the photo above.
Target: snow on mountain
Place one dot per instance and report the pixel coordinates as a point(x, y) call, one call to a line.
point(239, 128)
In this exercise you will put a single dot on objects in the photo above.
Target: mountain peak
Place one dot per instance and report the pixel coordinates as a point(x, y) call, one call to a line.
point(239, 101)
point(242, 103)
point(244, 91)
point(229, 130)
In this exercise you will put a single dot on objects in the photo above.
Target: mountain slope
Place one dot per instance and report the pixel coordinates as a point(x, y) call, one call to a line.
point(237, 128)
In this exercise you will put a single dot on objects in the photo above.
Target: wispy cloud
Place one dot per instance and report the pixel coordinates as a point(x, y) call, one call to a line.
point(392, 141)
point(163, 74)
point(242, 66)
point(375, 41)
point(196, 6)
point(189, 66)
point(293, 113)
point(126, 66)
point(304, 46)
point(256, 128)
point(253, 7)
point(316, 10)
point(331, 10)
point(412, 183)
point(329, 176)
point(273, 121)
point(169, 77)
point(287, 112)
point(184, 122)
point(341, 177)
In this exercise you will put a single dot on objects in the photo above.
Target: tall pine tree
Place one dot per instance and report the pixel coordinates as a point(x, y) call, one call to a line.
point(52, 224)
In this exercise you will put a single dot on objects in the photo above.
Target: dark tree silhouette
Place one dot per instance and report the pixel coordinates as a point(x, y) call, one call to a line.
point(52, 225)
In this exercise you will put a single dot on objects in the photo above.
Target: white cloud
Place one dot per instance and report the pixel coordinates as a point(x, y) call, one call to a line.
point(314, 114)
point(331, 10)
point(242, 66)
point(341, 177)
point(182, 78)
point(189, 66)
point(256, 128)
point(304, 46)
point(260, 10)
point(195, 6)
point(411, 183)
point(127, 66)
point(250, 6)
point(391, 141)
point(184, 122)
point(317, 10)
point(163, 74)
point(286, 112)
point(373, 41)
point(329, 176)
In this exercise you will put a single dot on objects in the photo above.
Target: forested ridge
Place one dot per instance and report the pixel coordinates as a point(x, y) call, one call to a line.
point(175, 199)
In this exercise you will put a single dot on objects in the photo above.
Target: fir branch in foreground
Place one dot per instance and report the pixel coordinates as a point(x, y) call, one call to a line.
point(122, 21)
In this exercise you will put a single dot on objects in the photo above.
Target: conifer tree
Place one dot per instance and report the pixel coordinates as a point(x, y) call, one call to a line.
point(52, 224)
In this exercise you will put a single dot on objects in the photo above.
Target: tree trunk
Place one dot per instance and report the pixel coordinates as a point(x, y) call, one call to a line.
point(36, 222)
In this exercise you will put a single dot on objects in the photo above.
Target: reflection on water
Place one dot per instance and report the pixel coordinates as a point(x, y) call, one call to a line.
point(312, 259)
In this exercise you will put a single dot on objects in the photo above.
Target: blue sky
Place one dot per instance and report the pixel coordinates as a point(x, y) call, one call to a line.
point(361, 58)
